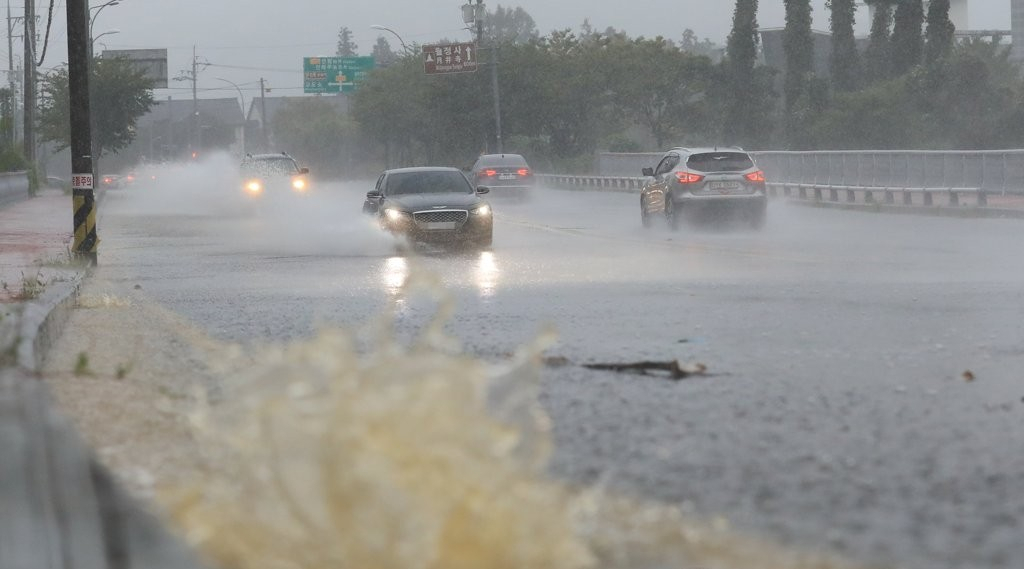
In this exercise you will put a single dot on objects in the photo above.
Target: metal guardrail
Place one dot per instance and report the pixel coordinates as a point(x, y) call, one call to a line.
point(13, 187)
point(867, 193)
point(622, 184)
point(852, 194)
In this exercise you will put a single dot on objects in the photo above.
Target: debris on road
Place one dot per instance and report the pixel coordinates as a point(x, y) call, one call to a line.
point(968, 376)
point(673, 368)
point(556, 361)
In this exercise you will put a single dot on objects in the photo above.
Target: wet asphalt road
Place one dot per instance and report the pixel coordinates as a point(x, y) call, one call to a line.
point(837, 416)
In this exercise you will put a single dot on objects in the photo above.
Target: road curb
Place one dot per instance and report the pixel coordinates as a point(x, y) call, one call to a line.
point(43, 319)
point(966, 212)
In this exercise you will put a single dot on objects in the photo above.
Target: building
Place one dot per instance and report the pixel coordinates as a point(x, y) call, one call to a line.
point(168, 131)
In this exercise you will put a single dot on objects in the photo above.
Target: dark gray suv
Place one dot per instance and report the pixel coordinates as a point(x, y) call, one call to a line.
point(704, 183)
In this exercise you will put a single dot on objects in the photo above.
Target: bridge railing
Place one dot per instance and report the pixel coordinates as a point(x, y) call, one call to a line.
point(994, 171)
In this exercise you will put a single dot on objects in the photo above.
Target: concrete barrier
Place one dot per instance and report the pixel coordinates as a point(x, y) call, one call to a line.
point(13, 187)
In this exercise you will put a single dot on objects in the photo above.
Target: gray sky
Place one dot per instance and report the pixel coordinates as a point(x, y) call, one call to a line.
point(272, 37)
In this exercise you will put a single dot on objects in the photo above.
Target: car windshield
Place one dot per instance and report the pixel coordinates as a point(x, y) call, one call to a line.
point(276, 166)
point(720, 162)
point(498, 160)
point(428, 182)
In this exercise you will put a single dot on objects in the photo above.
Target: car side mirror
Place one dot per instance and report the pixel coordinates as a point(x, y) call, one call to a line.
point(648, 171)
point(303, 171)
point(481, 190)
point(374, 195)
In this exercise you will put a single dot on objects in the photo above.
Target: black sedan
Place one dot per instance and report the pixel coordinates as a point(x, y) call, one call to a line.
point(432, 205)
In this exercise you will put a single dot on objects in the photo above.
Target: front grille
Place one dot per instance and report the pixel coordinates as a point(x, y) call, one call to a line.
point(457, 217)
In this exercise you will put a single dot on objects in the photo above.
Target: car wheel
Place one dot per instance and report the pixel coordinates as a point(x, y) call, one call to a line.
point(484, 243)
point(671, 214)
point(645, 217)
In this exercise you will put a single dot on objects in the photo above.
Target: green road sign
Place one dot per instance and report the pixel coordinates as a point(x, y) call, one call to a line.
point(334, 74)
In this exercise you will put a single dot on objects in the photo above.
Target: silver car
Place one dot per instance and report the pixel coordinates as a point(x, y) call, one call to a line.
point(704, 183)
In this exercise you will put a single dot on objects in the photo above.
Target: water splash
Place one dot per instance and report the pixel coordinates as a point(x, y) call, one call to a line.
point(415, 456)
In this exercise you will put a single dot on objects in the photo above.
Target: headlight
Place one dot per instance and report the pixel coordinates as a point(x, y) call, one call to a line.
point(483, 210)
point(299, 185)
point(254, 186)
point(394, 214)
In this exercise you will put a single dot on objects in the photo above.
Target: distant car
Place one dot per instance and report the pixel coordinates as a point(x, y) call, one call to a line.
point(704, 183)
point(507, 175)
point(273, 173)
point(432, 205)
point(111, 181)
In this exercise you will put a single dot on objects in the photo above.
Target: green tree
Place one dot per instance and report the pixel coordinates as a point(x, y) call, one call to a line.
point(346, 45)
point(845, 60)
point(121, 94)
point(907, 41)
point(798, 44)
point(317, 133)
point(745, 92)
point(382, 53)
point(879, 51)
point(668, 90)
point(693, 44)
point(939, 33)
point(509, 25)
point(7, 104)
point(971, 99)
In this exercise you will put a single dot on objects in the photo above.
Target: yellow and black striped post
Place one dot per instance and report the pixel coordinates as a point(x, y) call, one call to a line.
point(86, 241)
point(79, 44)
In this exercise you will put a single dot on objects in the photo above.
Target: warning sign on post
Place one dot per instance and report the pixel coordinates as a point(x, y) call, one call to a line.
point(450, 58)
point(81, 182)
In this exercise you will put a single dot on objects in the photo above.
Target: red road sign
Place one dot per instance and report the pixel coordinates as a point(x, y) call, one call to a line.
point(439, 59)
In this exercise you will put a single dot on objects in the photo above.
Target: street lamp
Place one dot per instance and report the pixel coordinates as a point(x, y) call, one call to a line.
point(98, 10)
point(244, 119)
point(108, 33)
point(404, 47)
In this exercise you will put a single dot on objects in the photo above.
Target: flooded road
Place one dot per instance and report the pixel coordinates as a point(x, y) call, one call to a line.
point(837, 415)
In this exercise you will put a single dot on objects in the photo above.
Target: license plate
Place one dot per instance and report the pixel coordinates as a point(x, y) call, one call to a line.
point(723, 185)
point(507, 177)
point(440, 226)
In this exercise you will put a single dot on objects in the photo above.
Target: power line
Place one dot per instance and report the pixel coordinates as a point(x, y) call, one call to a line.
point(256, 68)
point(46, 39)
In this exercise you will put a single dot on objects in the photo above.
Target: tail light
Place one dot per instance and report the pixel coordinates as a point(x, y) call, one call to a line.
point(488, 173)
point(756, 176)
point(688, 177)
point(524, 172)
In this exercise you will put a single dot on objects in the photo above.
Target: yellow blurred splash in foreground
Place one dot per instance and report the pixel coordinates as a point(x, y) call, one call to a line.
point(415, 457)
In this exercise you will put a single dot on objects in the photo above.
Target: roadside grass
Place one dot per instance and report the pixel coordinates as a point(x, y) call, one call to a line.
point(31, 287)
point(82, 368)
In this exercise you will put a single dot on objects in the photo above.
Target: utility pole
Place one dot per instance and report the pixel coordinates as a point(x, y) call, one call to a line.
point(263, 115)
point(86, 241)
point(30, 81)
point(497, 97)
point(194, 139)
point(10, 75)
point(479, 14)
